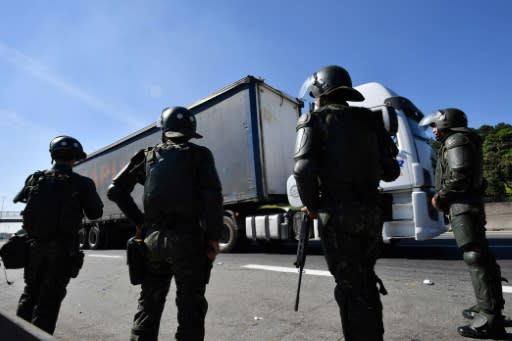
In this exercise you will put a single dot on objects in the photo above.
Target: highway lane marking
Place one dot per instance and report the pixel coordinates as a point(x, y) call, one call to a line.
point(104, 256)
point(287, 270)
point(506, 289)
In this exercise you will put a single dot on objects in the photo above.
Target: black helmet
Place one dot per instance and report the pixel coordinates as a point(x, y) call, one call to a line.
point(66, 147)
point(178, 122)
point(451, 118)
point(328, 80)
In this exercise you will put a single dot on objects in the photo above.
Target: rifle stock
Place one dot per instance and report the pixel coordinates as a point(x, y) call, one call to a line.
point(302, 248)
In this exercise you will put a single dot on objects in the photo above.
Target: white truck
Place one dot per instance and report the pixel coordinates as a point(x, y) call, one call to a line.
point(250, 128)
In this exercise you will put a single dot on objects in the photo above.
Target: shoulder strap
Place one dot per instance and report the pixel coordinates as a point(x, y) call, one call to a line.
point(149, 159)
point(38, 174)
point(150, 154)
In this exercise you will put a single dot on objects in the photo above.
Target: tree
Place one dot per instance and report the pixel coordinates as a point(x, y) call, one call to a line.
point(497, 150)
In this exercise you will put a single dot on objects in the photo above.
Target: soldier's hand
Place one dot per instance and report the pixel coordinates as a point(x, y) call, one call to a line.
point(213, 249)
point(138, 231)
point(310, 213)
point(436, 204)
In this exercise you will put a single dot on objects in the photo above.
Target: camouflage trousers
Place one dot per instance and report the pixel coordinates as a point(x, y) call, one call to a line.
point(47, 275)
point(182, 257)
point(351, 239)
point(468, 225)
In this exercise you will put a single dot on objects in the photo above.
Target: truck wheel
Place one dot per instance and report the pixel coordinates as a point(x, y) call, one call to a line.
point(229, 235)
point(96, 237)
point(83, 238)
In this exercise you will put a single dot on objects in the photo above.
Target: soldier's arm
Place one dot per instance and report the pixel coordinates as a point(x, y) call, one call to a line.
point(91, 201)
point(459, 157)
point(22, 195)
point(122, 186)
point(210, 192)
point(306, 168)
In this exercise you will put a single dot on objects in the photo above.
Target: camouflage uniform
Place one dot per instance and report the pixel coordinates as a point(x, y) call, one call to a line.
point(337, 169)
point(51, 259)
point(176, 247)
point(460, 186)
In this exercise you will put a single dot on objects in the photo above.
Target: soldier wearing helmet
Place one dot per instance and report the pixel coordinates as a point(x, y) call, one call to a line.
point(66, 148)
point(338, 166)
point(56, 201)
point(459, 189)
point(181, 224)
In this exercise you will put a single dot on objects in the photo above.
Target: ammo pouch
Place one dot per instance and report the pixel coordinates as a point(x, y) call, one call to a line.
point(136, 251)
point(77, 261)
point(15, 251)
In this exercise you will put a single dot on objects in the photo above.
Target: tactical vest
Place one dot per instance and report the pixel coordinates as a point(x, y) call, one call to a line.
point(171, 186)
point(350, 153)
point(53, 207)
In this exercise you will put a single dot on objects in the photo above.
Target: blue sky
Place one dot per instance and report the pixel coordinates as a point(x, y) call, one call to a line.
point(99, 70)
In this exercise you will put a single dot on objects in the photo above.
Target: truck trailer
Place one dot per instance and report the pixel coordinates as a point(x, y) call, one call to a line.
point(250, 128)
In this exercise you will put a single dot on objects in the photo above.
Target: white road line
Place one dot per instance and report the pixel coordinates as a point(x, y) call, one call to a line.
point(506, 289)
point(104, 256)
point(286, 269)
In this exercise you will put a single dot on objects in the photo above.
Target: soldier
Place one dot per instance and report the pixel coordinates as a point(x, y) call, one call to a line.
point(459, 189)
point(338, 165)
point(56, 200)
point(182, 222)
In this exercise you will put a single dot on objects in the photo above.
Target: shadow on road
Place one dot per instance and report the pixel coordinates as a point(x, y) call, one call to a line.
point(442, 249)
point(410, 249)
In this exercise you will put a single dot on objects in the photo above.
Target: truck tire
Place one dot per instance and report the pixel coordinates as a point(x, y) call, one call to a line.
point(229, 237)
point(96, 237)
point(83, 238)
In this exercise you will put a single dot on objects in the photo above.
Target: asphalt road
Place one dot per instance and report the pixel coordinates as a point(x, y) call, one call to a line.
point(251, 295)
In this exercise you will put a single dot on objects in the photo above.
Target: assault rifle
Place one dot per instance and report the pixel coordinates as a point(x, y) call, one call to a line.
point(302, 248)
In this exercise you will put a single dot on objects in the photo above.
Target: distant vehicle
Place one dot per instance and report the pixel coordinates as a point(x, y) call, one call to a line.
point(250, 128)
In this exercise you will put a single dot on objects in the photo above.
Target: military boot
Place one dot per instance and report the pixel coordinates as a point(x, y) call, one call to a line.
point(480, 328)
point(470, 312)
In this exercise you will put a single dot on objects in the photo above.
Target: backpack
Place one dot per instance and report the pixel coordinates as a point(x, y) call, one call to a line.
point(53, 208)
point(14, 252)
point(171, 185)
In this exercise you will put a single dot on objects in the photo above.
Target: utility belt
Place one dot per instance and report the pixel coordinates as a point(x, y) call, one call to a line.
point(472, 199)
point(179, 226)
point(16, 252)
point(54, 238)
point(348, 205)
point(345, 198)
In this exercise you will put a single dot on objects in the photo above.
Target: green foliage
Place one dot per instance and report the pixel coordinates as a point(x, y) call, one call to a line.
point(497, 150)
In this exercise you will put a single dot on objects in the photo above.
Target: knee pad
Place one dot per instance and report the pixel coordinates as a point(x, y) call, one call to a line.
point(474, 258)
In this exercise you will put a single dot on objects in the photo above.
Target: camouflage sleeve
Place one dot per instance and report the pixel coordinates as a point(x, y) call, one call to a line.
point(90, 200)
point(306, 167)
point(210, 192)
point(122, 186)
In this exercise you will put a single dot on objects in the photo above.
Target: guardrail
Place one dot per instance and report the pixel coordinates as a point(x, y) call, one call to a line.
point(10, 216)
